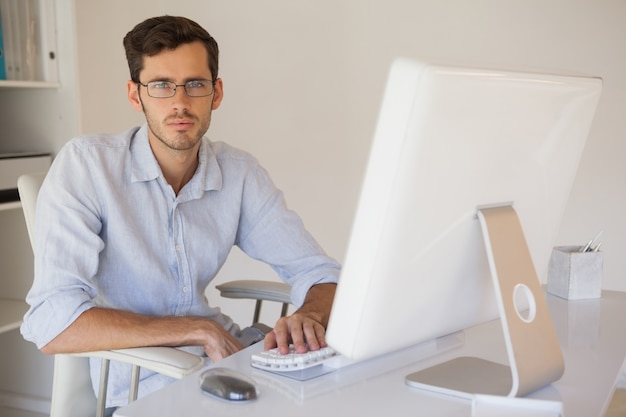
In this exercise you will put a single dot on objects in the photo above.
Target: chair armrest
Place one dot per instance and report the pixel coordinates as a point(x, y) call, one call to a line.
point(168, 361)
point(256, 290)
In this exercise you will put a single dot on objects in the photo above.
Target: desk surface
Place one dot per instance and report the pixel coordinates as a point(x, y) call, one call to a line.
point(591, 334)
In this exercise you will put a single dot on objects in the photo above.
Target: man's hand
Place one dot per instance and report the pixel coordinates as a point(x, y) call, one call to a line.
point(306, 328)
point(220, 344)
point(304, 332)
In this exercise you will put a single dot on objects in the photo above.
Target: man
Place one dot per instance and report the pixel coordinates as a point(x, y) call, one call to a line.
point(132, 227)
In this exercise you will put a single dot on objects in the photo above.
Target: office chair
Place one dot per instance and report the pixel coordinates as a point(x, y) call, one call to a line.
point(72, 392)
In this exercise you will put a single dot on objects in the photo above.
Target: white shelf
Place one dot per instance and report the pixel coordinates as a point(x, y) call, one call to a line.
point(13, 412)
point(28, 84)
point(10, 205)
point(11, 314)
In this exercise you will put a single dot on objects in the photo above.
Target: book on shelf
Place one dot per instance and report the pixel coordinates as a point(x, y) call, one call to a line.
point(20, 36)
point(3, 72)
point(8, 21)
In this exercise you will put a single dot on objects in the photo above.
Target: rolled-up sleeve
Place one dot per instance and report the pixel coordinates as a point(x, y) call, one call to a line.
point(274, 234)
point(66, 248)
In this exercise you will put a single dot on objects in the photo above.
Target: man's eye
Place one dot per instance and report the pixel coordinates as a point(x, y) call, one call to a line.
point(195, 84)
point(161, 85)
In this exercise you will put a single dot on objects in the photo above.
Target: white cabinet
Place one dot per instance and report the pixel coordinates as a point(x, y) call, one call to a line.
point(36, 115)
point(29, 63)
point(12, 306)
point(25, 373)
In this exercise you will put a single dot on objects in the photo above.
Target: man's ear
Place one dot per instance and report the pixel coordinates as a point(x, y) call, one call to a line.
point(218, 94)
point(132, 89)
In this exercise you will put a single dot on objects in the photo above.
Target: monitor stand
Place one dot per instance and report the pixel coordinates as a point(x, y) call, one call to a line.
point(533, 350)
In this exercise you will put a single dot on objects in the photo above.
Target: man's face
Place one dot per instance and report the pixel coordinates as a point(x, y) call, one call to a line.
point(177, 123)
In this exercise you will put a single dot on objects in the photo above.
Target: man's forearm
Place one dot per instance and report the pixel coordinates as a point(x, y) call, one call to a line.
point(318, 302)
point(105, 329)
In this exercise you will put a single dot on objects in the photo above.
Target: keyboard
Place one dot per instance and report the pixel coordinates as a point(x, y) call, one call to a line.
point(273, 360)
point(312, 364)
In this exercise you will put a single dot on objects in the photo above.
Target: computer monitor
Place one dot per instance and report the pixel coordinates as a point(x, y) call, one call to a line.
point(449, 141)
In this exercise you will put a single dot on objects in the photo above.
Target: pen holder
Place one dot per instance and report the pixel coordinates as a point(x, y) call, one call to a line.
point(575, 275)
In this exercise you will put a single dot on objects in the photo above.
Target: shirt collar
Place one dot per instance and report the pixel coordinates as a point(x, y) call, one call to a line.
point(144, 166)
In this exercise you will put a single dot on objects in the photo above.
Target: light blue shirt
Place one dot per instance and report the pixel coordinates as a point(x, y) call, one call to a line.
point(111, 232)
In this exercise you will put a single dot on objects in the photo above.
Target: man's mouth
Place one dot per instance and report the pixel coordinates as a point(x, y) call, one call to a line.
point(180, 123)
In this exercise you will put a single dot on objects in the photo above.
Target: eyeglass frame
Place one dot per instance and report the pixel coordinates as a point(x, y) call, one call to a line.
point(175, 87)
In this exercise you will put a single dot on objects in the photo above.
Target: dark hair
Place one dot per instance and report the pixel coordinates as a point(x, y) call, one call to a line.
point(156, 34)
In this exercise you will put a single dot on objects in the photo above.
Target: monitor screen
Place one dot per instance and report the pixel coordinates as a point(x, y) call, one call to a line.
point(450, 140)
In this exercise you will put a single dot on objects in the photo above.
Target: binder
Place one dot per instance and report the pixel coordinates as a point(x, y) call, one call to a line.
point(25, 38)
point(8, 23)
point(15, 53)
point(3, 71)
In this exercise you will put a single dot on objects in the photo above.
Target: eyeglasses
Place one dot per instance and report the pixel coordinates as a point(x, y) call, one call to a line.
point(166, 89)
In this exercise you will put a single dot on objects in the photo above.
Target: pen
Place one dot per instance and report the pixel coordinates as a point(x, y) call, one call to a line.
point(587, 247)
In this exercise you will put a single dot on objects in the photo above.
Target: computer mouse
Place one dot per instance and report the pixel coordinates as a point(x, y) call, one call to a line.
point(227, 384)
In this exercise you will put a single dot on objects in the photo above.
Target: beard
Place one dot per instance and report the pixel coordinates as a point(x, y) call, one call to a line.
point(178, 140)
point(181, 140)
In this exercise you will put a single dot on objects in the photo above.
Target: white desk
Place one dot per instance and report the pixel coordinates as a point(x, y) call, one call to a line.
point(591, 333)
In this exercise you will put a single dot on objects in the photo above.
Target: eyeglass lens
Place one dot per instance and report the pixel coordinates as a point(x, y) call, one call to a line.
point(165, 89)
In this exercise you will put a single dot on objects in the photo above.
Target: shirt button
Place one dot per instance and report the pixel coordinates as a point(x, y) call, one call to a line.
point(177, 248)
point(185, 289)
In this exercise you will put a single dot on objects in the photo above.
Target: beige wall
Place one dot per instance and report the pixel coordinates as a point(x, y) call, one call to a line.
point(303, 82)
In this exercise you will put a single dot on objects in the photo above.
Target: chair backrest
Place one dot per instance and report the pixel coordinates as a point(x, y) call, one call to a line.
point(72, 392)
point(28, 186)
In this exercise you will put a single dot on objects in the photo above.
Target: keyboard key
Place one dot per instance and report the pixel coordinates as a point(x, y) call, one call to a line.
point(273, 360)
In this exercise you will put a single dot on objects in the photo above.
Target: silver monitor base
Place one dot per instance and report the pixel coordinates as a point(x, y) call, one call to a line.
point(463, 377)
point(533, 350)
